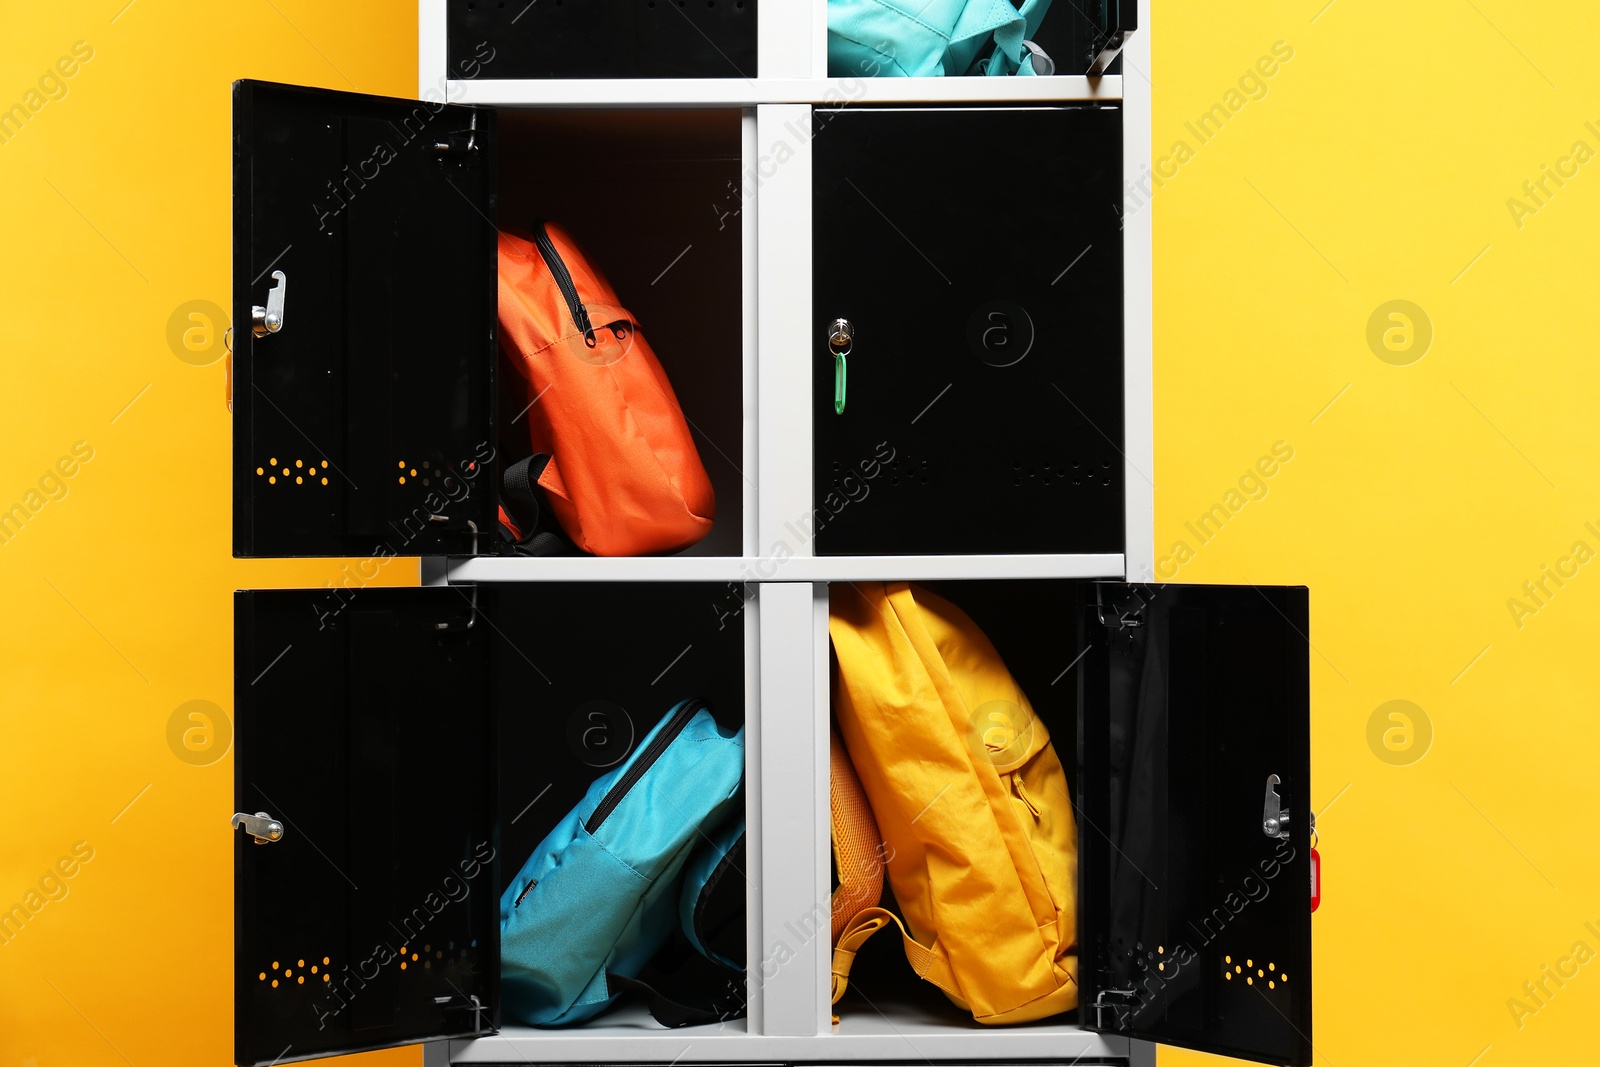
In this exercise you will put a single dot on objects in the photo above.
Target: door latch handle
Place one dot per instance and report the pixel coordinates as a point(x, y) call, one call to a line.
point(261, 826)
point(269, 319)
point(1274, 816)
point(841, 339)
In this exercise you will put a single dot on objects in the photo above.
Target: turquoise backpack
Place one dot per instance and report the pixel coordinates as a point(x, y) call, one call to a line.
point(868, 38)
point(603, 892)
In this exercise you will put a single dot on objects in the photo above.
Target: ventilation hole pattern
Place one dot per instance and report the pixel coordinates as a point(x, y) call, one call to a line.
point(304, 472)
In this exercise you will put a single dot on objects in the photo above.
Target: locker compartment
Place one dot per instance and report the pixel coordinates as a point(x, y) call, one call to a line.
point(602, 38)
point(1180, 713)
point(972, 257)
point(1079, 37)
point(372, 412)
point(653, 198)
point(412, 747)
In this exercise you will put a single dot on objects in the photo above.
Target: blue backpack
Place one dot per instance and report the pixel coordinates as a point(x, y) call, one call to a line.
point(869, 38)
point(604, 891)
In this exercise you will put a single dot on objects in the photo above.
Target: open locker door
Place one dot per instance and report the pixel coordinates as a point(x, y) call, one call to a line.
point(1194, 796)
point(365, 909)
point(364, 311)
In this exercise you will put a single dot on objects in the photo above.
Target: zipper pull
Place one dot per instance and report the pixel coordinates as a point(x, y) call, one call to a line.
point(1022, 795)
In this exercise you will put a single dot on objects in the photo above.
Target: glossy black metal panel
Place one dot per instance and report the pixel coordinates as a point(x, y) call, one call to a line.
point(366, 730)
point(362, 427)
point(1196, 923)
point(602, 38)
point(978, 254)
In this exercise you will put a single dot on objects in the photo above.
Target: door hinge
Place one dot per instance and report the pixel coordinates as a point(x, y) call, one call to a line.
point(264, 828)
point(1119, 615)
point(1130, 996)
point(459, 142)
point(470, 1003)
point(456, 622)
point(1118, 20)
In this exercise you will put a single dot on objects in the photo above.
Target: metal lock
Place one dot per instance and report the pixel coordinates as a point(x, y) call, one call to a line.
point(841, 335)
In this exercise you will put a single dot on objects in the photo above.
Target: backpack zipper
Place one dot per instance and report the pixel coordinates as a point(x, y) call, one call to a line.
point(558, 271)
point(608, 804)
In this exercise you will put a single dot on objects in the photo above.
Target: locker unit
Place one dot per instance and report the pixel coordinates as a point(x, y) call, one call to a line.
point(401, 751)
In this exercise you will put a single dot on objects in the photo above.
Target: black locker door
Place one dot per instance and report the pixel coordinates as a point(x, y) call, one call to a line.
point(364, 229)
point(366, 744)
point(602, 38)
point(977, 254)
point(1194, 802)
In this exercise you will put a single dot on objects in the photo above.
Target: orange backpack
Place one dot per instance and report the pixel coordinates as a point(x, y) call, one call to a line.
point(623, 477)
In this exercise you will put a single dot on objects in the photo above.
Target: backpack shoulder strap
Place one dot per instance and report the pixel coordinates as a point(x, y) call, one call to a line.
point(719, 996)
point(930, 963)
point(523, 520)
point(857, 845)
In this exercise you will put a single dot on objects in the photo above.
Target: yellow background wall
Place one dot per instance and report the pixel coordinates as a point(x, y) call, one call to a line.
point(1376, 168)
point(116, 204)
point(1374, 165)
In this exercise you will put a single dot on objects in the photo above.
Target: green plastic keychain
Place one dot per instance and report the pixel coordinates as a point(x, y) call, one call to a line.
point(838, 383)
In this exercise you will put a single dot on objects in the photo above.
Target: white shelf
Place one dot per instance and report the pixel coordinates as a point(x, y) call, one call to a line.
point(896, 1032)
point(596, 569)
point(932, 568)
point(773, 569)
point(748, 92)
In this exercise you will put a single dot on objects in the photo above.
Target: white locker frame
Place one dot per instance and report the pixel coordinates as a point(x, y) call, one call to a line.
point(786, 616)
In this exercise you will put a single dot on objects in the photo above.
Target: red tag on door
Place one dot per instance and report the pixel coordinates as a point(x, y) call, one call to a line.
point(1316, 879)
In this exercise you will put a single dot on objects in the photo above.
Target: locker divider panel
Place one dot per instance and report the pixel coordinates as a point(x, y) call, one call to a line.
point(362, 425)
point(368, 732)
point(976, 253)
point(1196, 924)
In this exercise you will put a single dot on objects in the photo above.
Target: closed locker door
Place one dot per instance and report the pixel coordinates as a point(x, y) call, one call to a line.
point(602, 39)
point(975, 258)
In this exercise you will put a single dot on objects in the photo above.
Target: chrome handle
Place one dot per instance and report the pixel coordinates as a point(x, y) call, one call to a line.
point(261, 826)
point(269, 319)
point(1274, 816)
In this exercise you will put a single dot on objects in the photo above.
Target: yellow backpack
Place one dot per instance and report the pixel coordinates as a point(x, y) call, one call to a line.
point(978, 831)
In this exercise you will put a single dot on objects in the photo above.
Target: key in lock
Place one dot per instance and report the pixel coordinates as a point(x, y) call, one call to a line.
point(841, 340)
